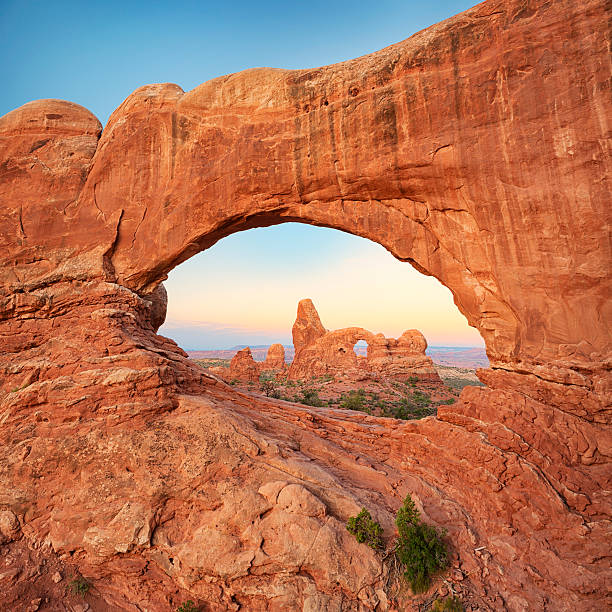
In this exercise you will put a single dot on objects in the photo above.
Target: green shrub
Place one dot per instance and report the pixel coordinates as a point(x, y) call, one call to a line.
point(410, 408)
point(412, 381)
point(355, 400)
point(79, 586)
point(188, 606)
point(450, 604)
point(310, 397)
point(268, 384)
point(420, 548)
point(421, 399)
point(365, 529)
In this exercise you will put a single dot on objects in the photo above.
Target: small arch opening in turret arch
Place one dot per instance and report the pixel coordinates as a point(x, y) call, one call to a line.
point(360, 349)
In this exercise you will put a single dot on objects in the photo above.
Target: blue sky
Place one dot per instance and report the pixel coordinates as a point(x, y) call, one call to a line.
point(97, 53)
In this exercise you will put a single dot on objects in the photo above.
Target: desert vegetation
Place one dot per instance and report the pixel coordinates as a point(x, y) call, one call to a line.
point(447, 604)
point(365, 529)
point(79, 586)
point(407, 399)
point(419, 548)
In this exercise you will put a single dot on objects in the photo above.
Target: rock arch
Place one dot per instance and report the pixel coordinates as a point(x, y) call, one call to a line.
point(476, 150)
point(319, 352)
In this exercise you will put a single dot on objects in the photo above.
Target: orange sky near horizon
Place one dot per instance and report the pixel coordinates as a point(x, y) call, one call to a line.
point(245, 290)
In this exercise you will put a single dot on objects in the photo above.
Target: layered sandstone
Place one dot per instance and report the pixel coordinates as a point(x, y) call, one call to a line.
point(319, 352)
point(243, 367)
point(275, 359)
point(478, 151)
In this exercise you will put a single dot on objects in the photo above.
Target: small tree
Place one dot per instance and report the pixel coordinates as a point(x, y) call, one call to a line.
point(420, 547)
point(310, 397)
point(365, 529)
point(268, 384)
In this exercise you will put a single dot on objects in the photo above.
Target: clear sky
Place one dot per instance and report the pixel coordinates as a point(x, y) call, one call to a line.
point(251, 296)
point(245, 289)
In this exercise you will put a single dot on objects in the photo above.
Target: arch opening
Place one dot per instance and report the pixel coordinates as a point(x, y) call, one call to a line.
point(409, 243)
point(360, 348)
point(244, 292)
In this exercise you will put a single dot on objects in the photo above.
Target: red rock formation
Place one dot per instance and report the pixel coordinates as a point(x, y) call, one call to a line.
point(319, 352)
point(243, 366)
point(477, 151)
point(307, 327)
point(275, 358)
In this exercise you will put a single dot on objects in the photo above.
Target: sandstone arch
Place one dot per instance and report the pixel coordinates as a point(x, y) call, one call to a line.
point(477, 150)
point(319, 352)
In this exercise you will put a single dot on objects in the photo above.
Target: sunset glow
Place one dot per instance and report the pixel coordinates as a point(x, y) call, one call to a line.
point(245, 290)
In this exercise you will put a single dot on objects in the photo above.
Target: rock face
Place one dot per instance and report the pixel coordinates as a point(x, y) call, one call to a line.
point(478, 151)
point(243, 366)
point(319, 352)
point(307, 328)
point(275, 358)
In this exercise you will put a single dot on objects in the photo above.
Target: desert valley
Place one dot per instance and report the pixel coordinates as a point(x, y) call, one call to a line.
point(387, 377)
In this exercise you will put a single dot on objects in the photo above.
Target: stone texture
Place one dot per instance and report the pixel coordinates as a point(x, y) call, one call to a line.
point(243, 366)
point(319, 352)
point(9, 526)
point(275, 358)
point(307, 327)
point(478, 151)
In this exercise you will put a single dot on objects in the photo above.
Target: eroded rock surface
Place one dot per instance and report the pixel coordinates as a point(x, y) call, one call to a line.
point(244, 367)
point(477, 150)
point(275, 359)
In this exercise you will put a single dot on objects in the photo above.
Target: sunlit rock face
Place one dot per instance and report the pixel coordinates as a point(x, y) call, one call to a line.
point(243, 366)
point(319, 352)
point(477, 150)
point(275, 358)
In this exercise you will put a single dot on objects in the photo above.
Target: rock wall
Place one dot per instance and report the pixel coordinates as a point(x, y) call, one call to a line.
point(275, 358)
point(319, 352)
point(477, 150)
point(244, 367)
